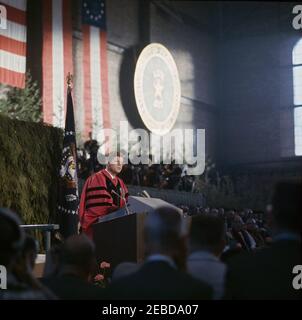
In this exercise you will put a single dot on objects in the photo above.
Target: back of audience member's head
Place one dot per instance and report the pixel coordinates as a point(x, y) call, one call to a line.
point(194, 211)
point(206, 210)
point(25, 263)
point(124, 269)
point(11, 237)
point(237, 223)
point(251, 225)
point(214, 212)
point(77, 257)
point(221, 212)
point(207, 233)
point(14, 247)
point(165, 232)
point(287, 206)
point(230, 214)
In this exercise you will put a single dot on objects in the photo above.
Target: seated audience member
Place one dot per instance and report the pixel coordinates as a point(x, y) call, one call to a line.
point(230, 216)
point(207, 241)
point(15, 256)
point(253, 229)
point(159, 277)
point(252, 244)
point(76, 268)
point(241, 235)
point(24, 266)
point(268, 273)
point(124, 269)
point(221, 212)
point(214, 212)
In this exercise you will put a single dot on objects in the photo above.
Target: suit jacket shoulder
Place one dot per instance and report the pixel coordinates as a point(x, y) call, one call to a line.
point(264, 274)
point(158, 280)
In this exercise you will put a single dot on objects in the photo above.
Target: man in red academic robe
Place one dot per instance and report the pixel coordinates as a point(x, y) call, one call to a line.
point(103, 193)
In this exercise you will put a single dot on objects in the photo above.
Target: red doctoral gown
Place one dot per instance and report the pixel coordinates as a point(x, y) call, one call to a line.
point(98, 198)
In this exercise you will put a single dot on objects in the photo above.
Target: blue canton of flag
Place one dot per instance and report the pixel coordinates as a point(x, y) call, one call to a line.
point(94, 13)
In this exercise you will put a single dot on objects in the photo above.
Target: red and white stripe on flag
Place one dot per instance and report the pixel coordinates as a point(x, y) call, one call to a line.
point(13, 44)
point(56, 58)
point(95, 84)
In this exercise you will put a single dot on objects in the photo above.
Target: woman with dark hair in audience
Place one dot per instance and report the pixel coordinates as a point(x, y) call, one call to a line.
point(24, 266)
point(17, 255)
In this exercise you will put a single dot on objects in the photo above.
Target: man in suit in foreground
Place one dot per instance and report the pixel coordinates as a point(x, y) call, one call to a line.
point(207, 241)
point(159, 277)
point(268, 273)
point(76, 267)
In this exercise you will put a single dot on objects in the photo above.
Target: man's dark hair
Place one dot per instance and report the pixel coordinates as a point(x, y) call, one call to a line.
point(78, 252)
point(163, 228)
point(116, 153)
point(206, 231)
point(11, 236)
point(287, 205)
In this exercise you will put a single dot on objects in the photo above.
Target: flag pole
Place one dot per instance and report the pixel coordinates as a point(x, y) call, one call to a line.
point(68, 183)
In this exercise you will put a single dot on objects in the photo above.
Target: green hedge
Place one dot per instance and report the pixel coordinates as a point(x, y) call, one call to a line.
point(29, 160)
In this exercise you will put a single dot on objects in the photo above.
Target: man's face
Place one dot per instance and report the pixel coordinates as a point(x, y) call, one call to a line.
point(116, 164)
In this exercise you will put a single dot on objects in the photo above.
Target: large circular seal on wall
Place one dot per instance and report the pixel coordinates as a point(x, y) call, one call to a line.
point(157, 88)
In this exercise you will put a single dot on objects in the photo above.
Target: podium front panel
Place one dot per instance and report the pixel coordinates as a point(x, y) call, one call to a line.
point(120, 240)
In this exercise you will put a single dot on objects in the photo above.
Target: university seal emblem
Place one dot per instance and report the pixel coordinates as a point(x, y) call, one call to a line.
point(157, 88)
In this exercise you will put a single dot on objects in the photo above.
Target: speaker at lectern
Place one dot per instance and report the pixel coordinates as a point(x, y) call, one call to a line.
point(119, 236)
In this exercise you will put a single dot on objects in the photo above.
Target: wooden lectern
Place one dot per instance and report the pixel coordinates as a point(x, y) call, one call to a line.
point(119, 237)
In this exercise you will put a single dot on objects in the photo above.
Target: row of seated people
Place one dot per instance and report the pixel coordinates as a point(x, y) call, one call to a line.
point(244, 228)
point(178, 265)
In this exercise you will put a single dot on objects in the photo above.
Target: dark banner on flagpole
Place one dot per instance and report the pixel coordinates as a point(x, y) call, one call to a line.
point(68, 201)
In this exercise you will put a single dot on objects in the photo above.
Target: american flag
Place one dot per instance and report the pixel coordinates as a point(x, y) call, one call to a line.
point(56, 58)
point(95, 67)
point(13, 43)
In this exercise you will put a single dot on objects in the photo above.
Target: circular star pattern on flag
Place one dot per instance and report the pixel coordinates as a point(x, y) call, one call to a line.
point(95, 10)
point(62, 209)
point(69, 133)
